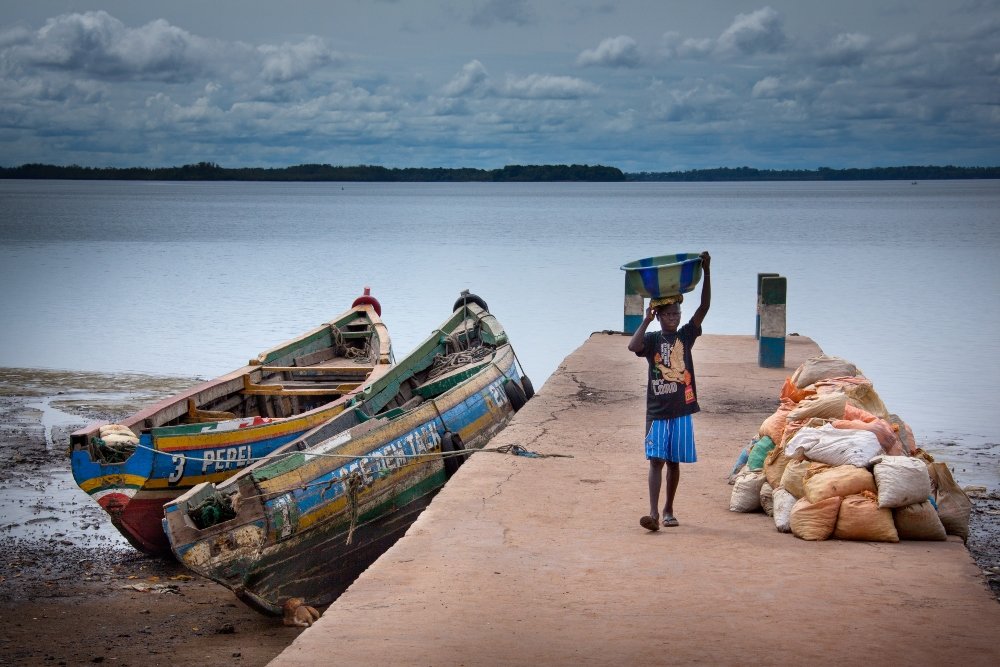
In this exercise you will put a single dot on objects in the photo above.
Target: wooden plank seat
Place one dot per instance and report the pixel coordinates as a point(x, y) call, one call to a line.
point(359, 370)
point(292, 388)
point(196, 416)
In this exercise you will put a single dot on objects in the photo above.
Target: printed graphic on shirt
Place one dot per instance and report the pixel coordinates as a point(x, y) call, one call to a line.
point(669, 375)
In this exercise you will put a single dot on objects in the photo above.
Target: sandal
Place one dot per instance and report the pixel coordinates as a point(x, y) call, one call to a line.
point(669, 521)
point(649, 523)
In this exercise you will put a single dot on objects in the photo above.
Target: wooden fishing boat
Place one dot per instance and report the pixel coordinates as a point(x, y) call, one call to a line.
point(211, 431)
point(306, 522)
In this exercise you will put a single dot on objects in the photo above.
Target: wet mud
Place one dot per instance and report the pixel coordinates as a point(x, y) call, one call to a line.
point(72, 590)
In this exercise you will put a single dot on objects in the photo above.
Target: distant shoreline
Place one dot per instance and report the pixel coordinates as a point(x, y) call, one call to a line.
point(208, 171)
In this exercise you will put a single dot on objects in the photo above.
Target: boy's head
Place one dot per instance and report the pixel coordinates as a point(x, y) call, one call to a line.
point(669, 317)
point(668, 312)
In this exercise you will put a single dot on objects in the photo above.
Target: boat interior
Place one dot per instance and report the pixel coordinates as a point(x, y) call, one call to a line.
point(288, 386)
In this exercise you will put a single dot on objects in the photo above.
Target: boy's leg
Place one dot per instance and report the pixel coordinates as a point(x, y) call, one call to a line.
point(673, 478)
point(655, 475)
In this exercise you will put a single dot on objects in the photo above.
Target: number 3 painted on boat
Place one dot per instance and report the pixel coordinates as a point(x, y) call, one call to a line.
point(178, 472)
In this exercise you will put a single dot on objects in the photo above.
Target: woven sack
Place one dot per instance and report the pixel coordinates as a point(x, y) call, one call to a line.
point(120, 439)
point(824, 406)
point(901, 481)
point(835, 446)
point(815, 521)
point(108, 429)
point(767, 499)
point(820, 368)
point(918, 521)
point(746, 492)
point(822, 483)
point(759, 452)
point(861, 518)
point(791, 479)
point(774, 466)
point(783, 504)
point(953, 504)
point(774, 426)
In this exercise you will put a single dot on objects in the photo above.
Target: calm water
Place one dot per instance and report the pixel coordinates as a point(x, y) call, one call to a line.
point(194, 278)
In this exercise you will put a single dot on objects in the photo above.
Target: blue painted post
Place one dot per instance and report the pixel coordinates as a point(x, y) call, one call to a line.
point(633, 308)
point(760, 277)
point(771, 347)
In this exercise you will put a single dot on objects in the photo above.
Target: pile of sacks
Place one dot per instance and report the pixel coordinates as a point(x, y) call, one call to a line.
point(833, 462)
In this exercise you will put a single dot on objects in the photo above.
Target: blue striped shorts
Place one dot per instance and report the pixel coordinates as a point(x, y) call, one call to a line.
point(671, 440)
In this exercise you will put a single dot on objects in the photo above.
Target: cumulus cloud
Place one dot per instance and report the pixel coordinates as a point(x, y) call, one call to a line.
point(288, 62)
point(540, 86)
point(759, 32)
point(774, 87)
point(620, 51)
point(493, 12)
point(99, 45)
point(845, 50)
point(698, 101)
point(471, 79)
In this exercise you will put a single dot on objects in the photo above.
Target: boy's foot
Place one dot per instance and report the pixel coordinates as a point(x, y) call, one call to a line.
point(649, 523)
point(669, 521)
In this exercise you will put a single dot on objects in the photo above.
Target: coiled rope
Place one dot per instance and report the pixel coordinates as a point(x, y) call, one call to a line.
point(363, 353)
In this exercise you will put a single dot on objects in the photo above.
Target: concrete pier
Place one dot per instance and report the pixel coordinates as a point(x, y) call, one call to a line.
point(522, 561)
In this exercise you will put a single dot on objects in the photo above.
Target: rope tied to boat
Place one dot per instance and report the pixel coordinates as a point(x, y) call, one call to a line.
point(353, 484)
point(444, 363)
point(363, 353)
point(518, 450)
point(110, 452)
point(513, 449)
point(214, 509)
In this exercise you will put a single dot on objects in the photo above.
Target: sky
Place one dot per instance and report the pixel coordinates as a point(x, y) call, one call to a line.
point(642, 85)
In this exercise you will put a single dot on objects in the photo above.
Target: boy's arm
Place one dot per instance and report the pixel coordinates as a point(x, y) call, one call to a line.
point(706, 290)
point(637, 344)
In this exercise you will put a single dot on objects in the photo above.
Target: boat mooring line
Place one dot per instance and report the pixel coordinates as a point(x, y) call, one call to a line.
point(516, 450)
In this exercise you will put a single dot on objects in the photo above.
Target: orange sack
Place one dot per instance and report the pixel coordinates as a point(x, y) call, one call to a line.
point(861, 518)
point(774, 426)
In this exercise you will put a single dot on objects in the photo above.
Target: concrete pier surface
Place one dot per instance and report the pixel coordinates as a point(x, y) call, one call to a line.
point(541, 561)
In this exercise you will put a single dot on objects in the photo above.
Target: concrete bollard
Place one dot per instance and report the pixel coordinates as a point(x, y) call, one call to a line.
point(760, 277)
point(633, 308)
point(771, 346)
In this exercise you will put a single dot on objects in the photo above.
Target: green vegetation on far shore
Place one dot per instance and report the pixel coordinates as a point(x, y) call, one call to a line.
point(209, 171)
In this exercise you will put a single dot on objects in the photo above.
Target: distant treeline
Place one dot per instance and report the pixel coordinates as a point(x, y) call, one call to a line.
point(822, 174)
point(209, 171)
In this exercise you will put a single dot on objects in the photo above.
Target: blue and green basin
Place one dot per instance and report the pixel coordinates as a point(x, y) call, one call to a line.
point(667, 275)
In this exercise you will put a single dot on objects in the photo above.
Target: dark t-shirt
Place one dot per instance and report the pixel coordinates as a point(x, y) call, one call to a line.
point(670, 387)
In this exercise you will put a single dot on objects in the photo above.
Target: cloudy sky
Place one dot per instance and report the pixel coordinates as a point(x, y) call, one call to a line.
point(644, 85)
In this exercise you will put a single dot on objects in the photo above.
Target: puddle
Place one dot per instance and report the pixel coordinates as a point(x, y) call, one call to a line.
point(48, 506)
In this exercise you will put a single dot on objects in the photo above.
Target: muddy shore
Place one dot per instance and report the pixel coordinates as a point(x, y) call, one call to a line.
point(73, 592)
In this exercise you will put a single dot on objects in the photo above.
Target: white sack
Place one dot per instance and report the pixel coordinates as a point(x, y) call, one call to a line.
point(746, 492)
point(836, 446)
point(901, 481)
point(783, 504)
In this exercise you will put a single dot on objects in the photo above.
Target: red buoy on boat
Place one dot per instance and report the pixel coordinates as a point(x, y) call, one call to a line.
point(367, 298)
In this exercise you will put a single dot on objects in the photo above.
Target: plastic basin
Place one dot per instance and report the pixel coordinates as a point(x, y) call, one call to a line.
point(666, 275)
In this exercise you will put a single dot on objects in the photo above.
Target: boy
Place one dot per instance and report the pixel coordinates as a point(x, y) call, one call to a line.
point(671, 396)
